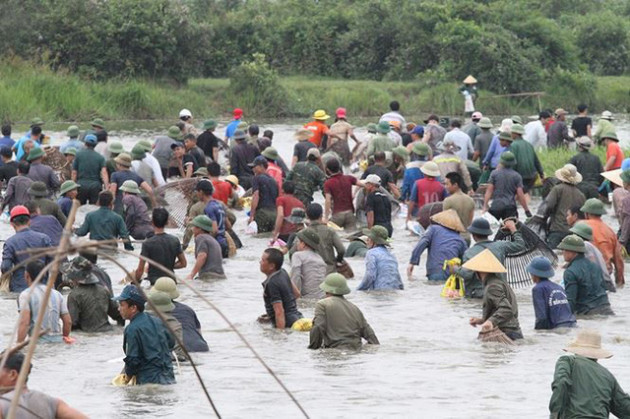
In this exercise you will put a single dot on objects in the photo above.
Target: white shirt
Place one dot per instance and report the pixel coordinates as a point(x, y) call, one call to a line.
point(463, 141)
point(535, 134)
point(155, 167)
point(395, 137)
point(395, 116)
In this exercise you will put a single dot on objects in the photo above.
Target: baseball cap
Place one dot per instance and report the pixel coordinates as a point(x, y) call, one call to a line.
point(375, 179)
point(176, 144)
point(131, 292)
point(259, 161)
point(313, 152)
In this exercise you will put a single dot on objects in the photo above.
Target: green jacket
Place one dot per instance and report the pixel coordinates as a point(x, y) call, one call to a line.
point(562, 198)
point(603, 126)
point(379, 143)
point(584, 285)
point(582, 388)
point(499, 304)
point(308, 179)
point(48, 207)
point(103, 224)
point(527, 163)
point(500, 249)
point(339, 323)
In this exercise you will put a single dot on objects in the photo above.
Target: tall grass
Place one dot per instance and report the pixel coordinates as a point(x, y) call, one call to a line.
point(553, 159)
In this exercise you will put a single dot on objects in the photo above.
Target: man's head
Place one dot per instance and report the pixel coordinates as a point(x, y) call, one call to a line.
point(204, 189)
point(269, 134)
point(185, 115)
point(571, 247)
point(313, 154)
point(560, 114)
point(105, 199)
point(10, 372)
point(190, 141)
point(259, 165)
point(130, 302)
point(417, 133)
point(314, 212)
point(333, 166)
point(480, 229)
point(271, 261)
point(90, 140)
point(253, 130)
point(372, 183)
point(20, 217)
point(544, 117)
point(36, 132)
point(214, 169)
point(574, 215)
point(33, 269)
point(159, 217)
point(582, 109)
point(23, 168)
point(394, 106)
point(456, 123)
point(454, 182)
point(379, 157)
point(288, 187)
point(6, 153)
point(6, 130)
point(178, 150)
point(476, 116)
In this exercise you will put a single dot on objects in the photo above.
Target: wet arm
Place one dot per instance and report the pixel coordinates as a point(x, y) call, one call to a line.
point(104, 176)
point(619, 264)
point(279, 220)
point(465, 174)
point(85, 227)
point(254, 205)
point(64, 411)
point(140, 269)
point(521, 198)
point(423, 243)
point(147, 188)
point(66, 320)
point(199, 262)
point(133, 356)
point(368, 334)
point(25, 322)
point(539, 167)
point(181, 261)
point(341, 251)
point(278, 310)
point(296, 273)
point(74, 311)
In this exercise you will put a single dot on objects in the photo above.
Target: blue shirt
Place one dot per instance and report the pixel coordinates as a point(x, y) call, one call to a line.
point(214, 211)
point(48, 225)
point(381, 271)
point(494, 153)
point(22, 240)
point(443, 244)
point(412, 174)
point(65, 204)
point(551, 306)
point(19, 146)
point(7, 142)
point(78, 145)
point(231, 128)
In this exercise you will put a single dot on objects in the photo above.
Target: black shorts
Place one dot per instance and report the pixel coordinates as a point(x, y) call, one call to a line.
point(503, 213)
point(89, 194)
point(528, 184)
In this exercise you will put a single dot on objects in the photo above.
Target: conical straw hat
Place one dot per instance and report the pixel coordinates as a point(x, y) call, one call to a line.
point(449, 219)
point(614, 176)
point(470, 80)
point(485, 262)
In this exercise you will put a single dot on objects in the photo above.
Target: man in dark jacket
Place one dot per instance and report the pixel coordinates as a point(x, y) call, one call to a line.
point(46, 224)
point(278, 293)
point(147, 343)
point(242, 155)
point(587, 164)
point(551, 304)
point(583, 280)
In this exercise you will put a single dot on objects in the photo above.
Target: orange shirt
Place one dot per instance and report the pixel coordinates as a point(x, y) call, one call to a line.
point(319, 129)
point(604, 239)
point(613, 149)
point(275, 172)
point(222, 190)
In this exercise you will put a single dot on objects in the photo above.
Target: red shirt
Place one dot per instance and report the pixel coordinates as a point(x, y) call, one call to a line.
point(549, 123)
point(288, 202)
point(427, 191)
point(613, 149)
point(222, 190)
point(340, 188)
point(319, 129)
point(275, 172)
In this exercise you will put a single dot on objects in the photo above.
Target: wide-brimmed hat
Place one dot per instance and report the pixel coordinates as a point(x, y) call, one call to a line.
point(516, 119)
point(448, 145)
point(232, 179)
point(70, 151)
point(68, 186)
point(593, 206)
point(584, 142)
point(209, 124)
point(168, 286)
point(607, 115)
point(401, 151)
point(123, 159)
point(383, 127)
point(115, 147)
point(378, 234)
point(73, 131)
point(132, 293)
point(203, 222)
point(174, 132)
point(611, 135)
point(573, 243)
point(202, 171)
point(130, 186)
point(518, 129)
point(373, 179)
point(430, 168)
point(480, 227)
point(470, 80)
point(449, 219)
point(38, 189)
point(569, 174)
point(37, 121)
point(583, 230)
point(309, 237)
point(98, 122)
point(541, 267)
point(485, 122)
point(486, 262)
point(335, 284)
point(303, 134)
point(35, 153)
point(298, 215)
point(588, 344)
point(421, 149)
point(80, 270)
point(614, 176)
point(185, 113)
point(507, 159)
point(271, 153)
point(560, 111)
point(371, 127)
point(146, 145)
point(161, 301)
point(320, 115)
point(239, 135)
point(137, 152)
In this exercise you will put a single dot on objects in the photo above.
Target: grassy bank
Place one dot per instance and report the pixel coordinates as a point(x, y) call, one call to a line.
point(552, 160)
point(27, 91)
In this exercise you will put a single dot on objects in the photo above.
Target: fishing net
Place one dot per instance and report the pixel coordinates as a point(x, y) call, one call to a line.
point(425, 213)
point(55, 159)
point(516, 263)
point(495, 335)
point(177, 197)
point(538, 223)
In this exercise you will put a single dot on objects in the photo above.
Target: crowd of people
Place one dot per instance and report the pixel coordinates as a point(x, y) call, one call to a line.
point(433, 174)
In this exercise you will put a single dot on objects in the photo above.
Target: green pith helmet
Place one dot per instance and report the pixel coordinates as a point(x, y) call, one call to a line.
point(68, 186)
point(130, 186)
point(168, 286)
point(378, 234)
point(518, 129)
point(383, 127)
point(421, 149)
point(203, 222)
point(115, 147)
point(309, 237)
point(583, 230)
point(175, 133)
point(593, 206)
point(507, 159)
point(335, 284)
point(572, 243)
point(73, 131)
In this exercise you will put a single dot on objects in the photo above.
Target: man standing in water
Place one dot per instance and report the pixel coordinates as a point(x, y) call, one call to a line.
point(278, 294)
point(147, 344)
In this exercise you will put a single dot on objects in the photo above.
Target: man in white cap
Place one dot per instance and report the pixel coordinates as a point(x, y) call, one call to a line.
point(186, 117)
point(582, 388)
point(378, 208)
point(604, 124)
point(472, 128)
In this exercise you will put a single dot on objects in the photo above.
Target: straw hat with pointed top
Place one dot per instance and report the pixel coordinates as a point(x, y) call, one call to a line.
point(470, 80)
point(486, 262)
point(449, 219)
point(569, 174)
point(614, 176)
point(588, 343)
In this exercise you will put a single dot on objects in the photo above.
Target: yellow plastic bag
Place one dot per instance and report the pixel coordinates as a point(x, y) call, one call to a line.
point(302, 325)
point(121, 380)
point(454, 286)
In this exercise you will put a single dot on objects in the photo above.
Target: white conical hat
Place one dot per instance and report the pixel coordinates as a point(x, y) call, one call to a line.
point(470, 80)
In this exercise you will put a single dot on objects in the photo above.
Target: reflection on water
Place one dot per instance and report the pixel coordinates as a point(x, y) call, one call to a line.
point(429, 363)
